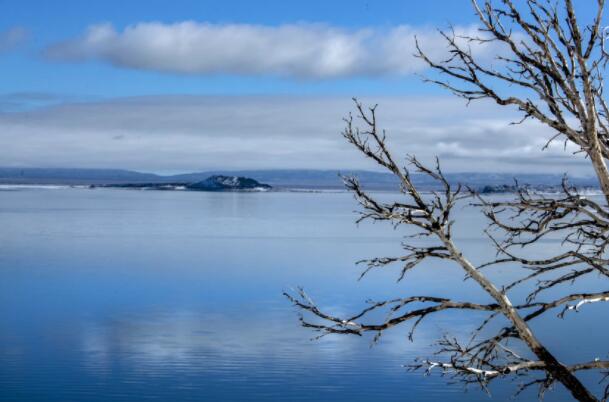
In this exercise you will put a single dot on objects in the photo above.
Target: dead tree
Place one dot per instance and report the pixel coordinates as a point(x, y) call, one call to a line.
point(551, 68)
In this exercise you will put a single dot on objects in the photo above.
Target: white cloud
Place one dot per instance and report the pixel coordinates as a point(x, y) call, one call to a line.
point(297, 50)
point(186, 133)
point(12, 38)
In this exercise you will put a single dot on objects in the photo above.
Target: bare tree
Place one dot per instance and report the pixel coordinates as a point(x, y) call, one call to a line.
point(552, 68)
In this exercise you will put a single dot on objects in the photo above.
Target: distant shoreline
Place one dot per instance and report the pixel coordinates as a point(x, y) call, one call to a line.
point(336, 190)
point(281, 178)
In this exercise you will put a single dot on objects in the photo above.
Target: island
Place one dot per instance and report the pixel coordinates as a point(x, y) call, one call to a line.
point(228, 183)
point(212, 183)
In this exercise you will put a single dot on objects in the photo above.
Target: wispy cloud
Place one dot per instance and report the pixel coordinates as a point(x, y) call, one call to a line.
point(22, 101)
point(299, 50)
point(12, 38)
point(185, 133)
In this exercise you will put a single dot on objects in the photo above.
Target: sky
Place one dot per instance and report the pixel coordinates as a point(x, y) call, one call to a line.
point(182, 86)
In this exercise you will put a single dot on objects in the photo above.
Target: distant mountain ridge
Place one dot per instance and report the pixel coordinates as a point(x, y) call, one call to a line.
point(72, 176)
point(279, 178)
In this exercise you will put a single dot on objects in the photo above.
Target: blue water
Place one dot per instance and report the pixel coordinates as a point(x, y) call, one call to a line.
point(122, 295)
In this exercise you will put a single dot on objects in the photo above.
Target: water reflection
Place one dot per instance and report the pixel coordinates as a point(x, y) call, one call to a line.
point(180, 336)
point(247, 351)
point(124, 295)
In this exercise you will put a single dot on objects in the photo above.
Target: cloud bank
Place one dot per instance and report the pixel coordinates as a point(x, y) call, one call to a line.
point(12, 38)
point(309, 51)
point(187, 133)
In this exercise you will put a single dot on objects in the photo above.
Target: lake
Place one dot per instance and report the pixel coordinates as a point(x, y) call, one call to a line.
point(124, 295)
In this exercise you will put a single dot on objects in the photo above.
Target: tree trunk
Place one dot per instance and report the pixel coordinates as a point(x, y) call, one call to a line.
point(600, 167)
point(553, 366)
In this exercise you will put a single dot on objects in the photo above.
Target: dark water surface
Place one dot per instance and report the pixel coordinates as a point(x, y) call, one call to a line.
point(119, 295)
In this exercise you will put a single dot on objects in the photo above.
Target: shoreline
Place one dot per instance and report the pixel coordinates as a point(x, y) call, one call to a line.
point(18, 187)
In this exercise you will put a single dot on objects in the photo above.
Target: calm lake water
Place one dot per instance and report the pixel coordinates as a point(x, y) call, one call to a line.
point(121, 295)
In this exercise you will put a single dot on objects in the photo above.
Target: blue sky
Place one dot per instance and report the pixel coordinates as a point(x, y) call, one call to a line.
point(192, 85)
point(50, 22)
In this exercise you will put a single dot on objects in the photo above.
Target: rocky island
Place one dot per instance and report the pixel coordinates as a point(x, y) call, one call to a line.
point(212, 183)
point(228, 183)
